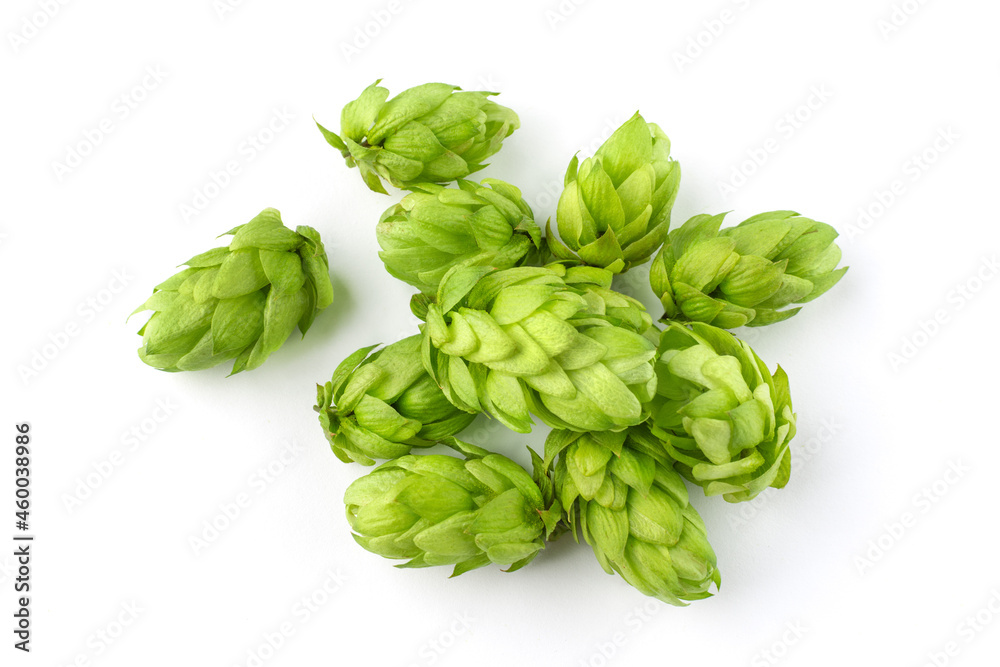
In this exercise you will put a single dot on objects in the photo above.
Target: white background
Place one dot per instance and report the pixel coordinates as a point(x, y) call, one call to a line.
point(851, 556)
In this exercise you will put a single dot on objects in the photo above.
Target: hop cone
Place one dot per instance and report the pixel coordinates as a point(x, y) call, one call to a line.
point(240, 302)
point(432, 133)
point(551, 341)
point(441, 510)
point(378, 406)
point(615, 209)
point(632, 508)
point(744, 275)
point(720, 413)
point(436, 228)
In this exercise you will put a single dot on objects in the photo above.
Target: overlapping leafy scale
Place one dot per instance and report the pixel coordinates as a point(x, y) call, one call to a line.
point(441, 510)
point(747, 274)
point(620, 492)
point(435, 229)
point(720, 413)
point(614, 210)
point(548, 341)
point(433, 133)
point(379, 405)
point(240, 302)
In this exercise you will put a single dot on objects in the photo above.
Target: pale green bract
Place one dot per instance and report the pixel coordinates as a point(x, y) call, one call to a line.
point(615, 209)
point(720, 413)
point(440, 510)
point(240, 302)
point(619, 491)
point(433, 133)
point(550, 341)
point(379, 405)
point(744, 275)
point(436, 228)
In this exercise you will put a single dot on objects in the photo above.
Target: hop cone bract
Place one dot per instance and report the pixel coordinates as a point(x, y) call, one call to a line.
point(550, 341)
point(744, 275)
point(434, 133)
point(240, 302)
point(441, 510)
point(721, 414)
point(615, 209)
point(436, 228)
point(620, 492)
point(378, 406)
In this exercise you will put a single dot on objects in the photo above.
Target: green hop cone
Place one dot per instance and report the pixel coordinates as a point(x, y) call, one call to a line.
point(440, 510)
point(241, 302)
point(620, 492)
point(550, 341)
point(721, 414)
point(379, 405)
point(436, 228)
point(434, 133)
point(615, 209)
point(744, 275)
